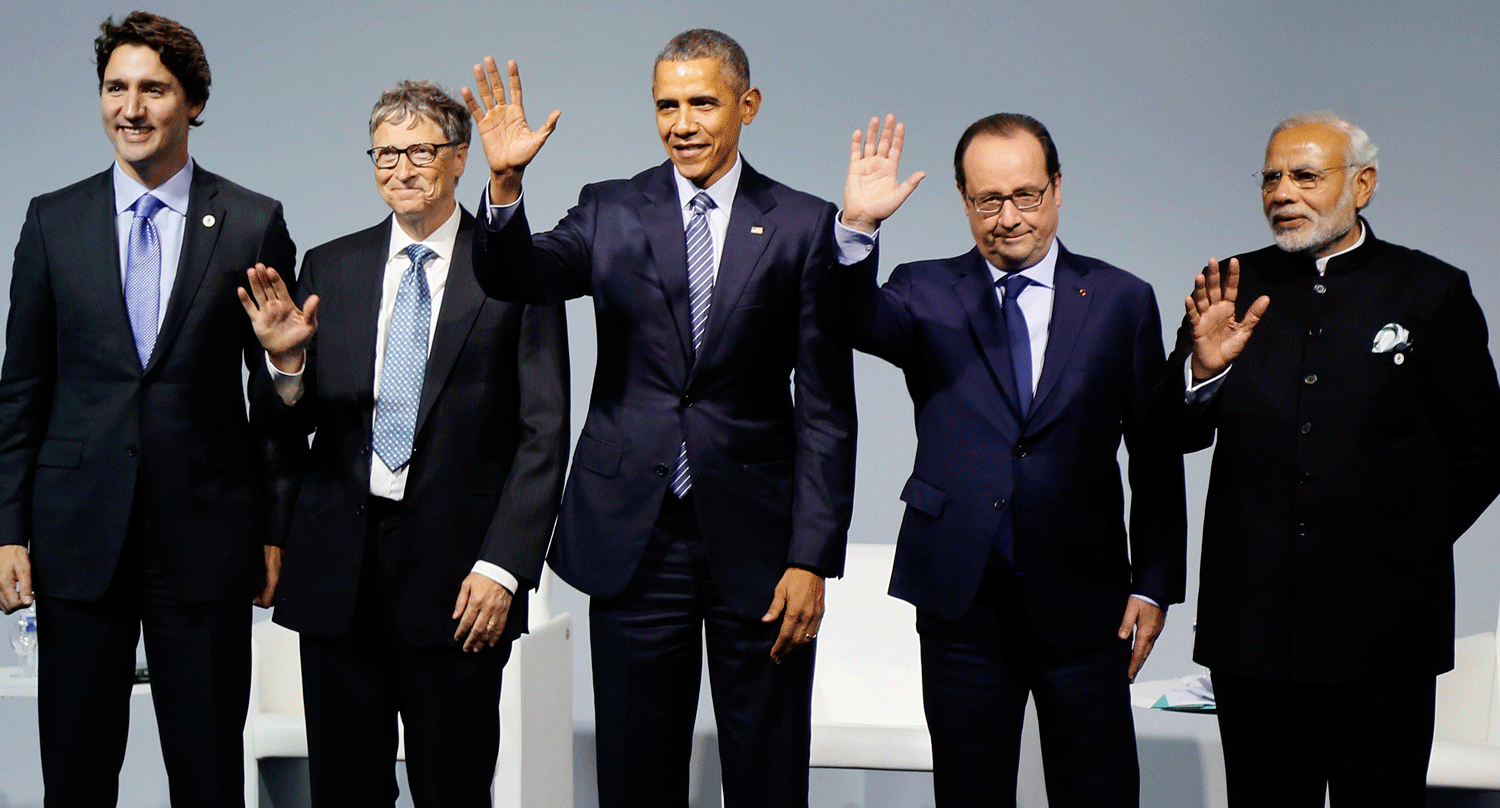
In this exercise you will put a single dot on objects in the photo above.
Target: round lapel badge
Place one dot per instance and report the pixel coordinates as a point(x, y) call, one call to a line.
point(209, 220)
point(1399, 358)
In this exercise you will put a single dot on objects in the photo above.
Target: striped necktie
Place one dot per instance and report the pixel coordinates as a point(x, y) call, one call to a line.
point(143, 276)
point(700, 266)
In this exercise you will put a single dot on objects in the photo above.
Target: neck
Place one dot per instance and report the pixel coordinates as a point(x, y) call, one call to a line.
point(153, 173)
point(420, 227)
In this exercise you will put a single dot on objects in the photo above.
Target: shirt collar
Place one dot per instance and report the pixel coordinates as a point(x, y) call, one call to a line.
point(173, 193)
point(1322, 263)
point(1043, 273)
point(441, 241)
point(721, 192)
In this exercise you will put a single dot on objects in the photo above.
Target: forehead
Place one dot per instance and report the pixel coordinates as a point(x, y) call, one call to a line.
point(414, 129)
point(1307, 146)
point(691, 78)
point(996, 163)
point(135, 62)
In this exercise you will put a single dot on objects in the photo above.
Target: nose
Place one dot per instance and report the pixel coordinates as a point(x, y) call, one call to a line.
point(1283, 191)
point(404, 167)
point(1009, 216)
point(683, 124)
point(135, 105)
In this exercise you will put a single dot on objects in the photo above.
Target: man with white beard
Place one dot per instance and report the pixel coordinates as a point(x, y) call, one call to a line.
point(1357, 439)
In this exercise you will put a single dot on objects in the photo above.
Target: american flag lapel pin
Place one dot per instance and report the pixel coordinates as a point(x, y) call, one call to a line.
point(757, 230)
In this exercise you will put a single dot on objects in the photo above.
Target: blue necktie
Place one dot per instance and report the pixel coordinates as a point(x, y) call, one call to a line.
point(1017, 335)
point(405, 363)
point(143, 276)
point(700, 265)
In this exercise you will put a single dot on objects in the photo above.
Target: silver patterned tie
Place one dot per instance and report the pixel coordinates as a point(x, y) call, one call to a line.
point(700, 266)
point(405, 363)
point(143, 276)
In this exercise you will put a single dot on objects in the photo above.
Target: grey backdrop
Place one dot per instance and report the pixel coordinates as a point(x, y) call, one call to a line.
point(1160, 110)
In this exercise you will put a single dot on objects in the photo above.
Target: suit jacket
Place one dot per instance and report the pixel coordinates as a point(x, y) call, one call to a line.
point(487, 456)
point(772, 462)
point(1051, 478)
point(1342, 477)
point(90, 441)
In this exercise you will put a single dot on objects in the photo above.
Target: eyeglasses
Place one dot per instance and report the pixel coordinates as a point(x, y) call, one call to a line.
point(1304, 178)
point(420, 154)
point(1026, 199)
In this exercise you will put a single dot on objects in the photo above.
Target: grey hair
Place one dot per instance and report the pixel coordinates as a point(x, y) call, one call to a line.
point(410, 100)
point(706, 43)
point(1362, 151)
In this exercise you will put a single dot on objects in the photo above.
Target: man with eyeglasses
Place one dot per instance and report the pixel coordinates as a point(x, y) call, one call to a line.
point(423, 509)
point(1027, 365)
point(1347, 386)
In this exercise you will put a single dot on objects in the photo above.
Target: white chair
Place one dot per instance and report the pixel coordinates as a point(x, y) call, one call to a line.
point(535, 767)
point(1466, 736)
point(867, 689)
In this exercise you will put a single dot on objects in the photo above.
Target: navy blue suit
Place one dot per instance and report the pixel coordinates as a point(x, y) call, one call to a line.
point(767, 412)
point(1044, 487)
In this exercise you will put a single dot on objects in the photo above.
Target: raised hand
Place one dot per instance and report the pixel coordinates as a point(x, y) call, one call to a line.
point(872, 192)
point(1217, 336)
point(509, 142)
point(283, 329)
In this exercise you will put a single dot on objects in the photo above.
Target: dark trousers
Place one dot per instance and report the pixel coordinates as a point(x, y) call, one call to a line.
point(976, 674)
point(647, 658)
point(1366, 744)
point(354, 686)
point(199, 657)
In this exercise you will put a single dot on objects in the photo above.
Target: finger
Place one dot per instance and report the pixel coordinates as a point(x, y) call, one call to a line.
point(1192, 310)
point(872, 138)
point(783, 644)
point(310, 311)
point(856, 147)
point(1127, 623)
point(1211, 282)
point(898, 139)
point(245, 301)
point(488, 76)
point(476, 111)
point(911, 184)
point(1138, 654)
point(778, 602)
point(551, 124)
point(887, 135)
point(275, 286)
point(1232, 282)
point(1198, 300)
point(461, 603)
point(1255, 312)
point(492, 78)
point(252, 282)
point(515, 83)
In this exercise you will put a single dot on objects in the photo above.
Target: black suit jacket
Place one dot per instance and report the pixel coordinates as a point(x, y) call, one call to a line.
point(87, 436)
point(767, 408)
point(1342, 477)
point(487, 457)
point(1051, 478)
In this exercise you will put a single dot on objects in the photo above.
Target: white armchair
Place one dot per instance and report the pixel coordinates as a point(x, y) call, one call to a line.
point(535, 767)
point(867, 689)
point(1466, 737)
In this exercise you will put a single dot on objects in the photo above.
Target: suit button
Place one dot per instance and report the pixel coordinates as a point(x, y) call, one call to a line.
point(661, 469)
point(1315, 332)
point(1306, 428)
point(132, 451)
point(360, 509)
point(1000, 504)
point(1020, 450)
point(1320, 288)
point(1303, 479)
point(687, 401)
point(1301, 528)
point(1311, 378)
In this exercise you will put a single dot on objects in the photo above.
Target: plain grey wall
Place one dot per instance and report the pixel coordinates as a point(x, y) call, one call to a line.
point(1160, 110)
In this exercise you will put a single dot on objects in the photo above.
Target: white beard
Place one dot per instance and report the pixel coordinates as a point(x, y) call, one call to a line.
point(1321, 230)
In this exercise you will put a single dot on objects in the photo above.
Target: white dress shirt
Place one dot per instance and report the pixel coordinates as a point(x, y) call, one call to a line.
point(385, 482)
point(170, 221)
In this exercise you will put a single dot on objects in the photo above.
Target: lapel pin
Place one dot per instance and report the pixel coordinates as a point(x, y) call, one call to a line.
point(757, 230)
point(1083, 293)
point(209, 220)
point(1399, 358)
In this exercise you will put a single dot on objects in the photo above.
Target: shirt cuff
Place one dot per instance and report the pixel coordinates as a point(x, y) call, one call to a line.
point(1145, 599)
point(496, 216)
point(1204, 390)
point(852, 245)
point(288, 385)
point(497, 574)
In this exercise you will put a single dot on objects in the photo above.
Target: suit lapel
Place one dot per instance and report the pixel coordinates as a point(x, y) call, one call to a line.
point(750, 231)
point(200, 232)
point(356, 292)
point(661, 217)
point(101, 264)
point(462, 299)
point(1070, 308)
point(976, 293)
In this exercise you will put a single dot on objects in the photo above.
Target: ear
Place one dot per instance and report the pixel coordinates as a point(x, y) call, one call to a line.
point(1365, 181)
point(461, 154)
point(1057, 188)
point(749, 105)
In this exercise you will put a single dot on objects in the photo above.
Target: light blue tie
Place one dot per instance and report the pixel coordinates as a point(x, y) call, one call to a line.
point(143, 276)
point(1018, 336)
point(405, 364)
point(700, 265)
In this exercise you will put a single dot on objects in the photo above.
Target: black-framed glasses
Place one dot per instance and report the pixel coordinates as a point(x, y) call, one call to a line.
point(1304, 178)
point(1024, 199)
point(420, 154)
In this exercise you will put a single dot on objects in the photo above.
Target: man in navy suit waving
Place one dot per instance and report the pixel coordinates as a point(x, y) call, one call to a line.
point(1027, 365)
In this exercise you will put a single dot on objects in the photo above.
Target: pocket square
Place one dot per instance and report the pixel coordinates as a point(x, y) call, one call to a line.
point(1391, 338)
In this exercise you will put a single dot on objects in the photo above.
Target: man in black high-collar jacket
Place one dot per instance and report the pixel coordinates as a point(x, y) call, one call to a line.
point(1356, 441)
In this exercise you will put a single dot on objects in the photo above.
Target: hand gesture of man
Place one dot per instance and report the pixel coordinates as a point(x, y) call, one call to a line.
point(1217, 336)
point(509, 142)
point(282, 328)
point(871, 192)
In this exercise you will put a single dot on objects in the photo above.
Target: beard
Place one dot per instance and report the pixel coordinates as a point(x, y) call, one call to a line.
point(1320, 230)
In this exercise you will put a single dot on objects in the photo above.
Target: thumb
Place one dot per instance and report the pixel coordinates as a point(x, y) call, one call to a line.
point(777, 604)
